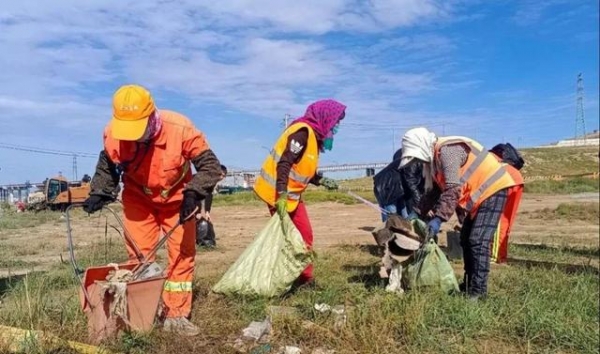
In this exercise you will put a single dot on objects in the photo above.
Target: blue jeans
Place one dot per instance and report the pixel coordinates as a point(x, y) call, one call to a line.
point(393, 209)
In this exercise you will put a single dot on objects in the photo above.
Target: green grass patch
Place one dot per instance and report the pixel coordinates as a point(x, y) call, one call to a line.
point(564, 161)
point(11, 263)
point(589, 212)
point(553, 254)
point(239, 198)
point(310, 196)
point(569, 186)
point(10, 220)
point(319, 195)
point(529, 309)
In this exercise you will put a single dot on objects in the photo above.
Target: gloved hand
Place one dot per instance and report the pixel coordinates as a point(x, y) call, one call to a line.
point(281, 204)
point(433, 227)
point(328, 183)
point(412, 216)
point(95, 202)
point(191, 201)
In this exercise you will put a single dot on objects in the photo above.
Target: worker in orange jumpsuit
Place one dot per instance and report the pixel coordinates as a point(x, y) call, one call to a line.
point(510, 157)
point(292, 165)
point(151, 151)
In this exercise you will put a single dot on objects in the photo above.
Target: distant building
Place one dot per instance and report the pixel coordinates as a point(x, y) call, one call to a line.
point(592, 139)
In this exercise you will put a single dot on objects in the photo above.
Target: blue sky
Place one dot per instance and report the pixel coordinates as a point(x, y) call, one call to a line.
point(491, 70)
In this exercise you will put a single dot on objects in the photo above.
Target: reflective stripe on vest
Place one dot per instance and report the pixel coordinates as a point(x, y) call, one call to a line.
point(273, 183)
point(293, 174)
point(300, 174)
point(178, 286)
point(477, 188)
point(475, 195)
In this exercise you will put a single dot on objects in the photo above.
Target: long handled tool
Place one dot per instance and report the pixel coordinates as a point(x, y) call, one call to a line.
point(368, 203)
point(147, 269)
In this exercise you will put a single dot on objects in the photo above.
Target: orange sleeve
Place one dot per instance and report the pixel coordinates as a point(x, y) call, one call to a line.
point(194, 143)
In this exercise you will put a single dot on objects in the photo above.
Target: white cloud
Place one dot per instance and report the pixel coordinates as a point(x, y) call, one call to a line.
point(63, 59)
point(62, 48)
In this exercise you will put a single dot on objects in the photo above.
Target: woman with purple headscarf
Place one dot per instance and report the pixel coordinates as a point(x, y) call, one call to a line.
point(292, 165)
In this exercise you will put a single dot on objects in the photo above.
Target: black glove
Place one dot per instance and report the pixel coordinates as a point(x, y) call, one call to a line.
point(95, 202)
point(191, 201)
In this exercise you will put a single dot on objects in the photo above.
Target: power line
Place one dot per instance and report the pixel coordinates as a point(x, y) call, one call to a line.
point(48, 151)
point(52, 152)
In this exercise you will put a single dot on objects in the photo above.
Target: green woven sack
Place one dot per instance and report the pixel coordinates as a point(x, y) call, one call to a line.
point(428, 267)
point(270, 264)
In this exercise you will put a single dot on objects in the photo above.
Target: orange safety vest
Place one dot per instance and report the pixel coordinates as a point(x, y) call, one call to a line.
point(481, 176)
point(160, 169)
point(300, 174)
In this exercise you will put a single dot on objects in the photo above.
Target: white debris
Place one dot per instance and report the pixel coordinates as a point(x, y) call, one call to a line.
point(291, 350)
point(256, 330)
point(395, 282)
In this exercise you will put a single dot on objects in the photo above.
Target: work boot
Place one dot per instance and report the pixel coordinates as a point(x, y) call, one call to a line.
point(180, 325)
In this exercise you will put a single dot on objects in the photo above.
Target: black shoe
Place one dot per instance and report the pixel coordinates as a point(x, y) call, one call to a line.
point(207, 245)
point(305, 284)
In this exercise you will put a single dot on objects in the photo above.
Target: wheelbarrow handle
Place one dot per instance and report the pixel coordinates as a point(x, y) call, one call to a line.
point(76, 268)
point(127, 236)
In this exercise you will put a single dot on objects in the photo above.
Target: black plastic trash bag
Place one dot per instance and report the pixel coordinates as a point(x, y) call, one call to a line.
point(205, 234)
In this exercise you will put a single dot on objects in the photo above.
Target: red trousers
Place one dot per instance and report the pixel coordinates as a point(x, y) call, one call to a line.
point(300, 219)
point(509, 215)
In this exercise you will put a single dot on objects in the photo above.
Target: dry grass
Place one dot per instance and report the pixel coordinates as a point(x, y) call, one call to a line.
point(530, 309)
point(589, 212)
point(564, 161)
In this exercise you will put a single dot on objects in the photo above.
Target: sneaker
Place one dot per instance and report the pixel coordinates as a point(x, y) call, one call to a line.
point(181, 325)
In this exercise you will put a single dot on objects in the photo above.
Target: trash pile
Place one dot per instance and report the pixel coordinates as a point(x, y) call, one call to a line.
point(410, 259)
point(256, 337)
point(115, 287)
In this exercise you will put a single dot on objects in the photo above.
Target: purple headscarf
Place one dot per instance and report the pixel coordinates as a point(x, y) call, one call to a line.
point(322, 116)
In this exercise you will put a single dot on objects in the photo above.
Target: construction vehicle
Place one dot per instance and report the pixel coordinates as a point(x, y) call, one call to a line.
point(58, 193)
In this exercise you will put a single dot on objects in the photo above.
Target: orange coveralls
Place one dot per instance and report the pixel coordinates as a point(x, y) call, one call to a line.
point(154, 179)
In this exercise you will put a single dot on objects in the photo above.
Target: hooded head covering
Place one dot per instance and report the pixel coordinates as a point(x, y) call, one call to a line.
point(322, 116)
point(419, 143)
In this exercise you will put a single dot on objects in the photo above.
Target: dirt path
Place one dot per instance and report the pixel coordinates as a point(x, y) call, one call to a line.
point(333, 224)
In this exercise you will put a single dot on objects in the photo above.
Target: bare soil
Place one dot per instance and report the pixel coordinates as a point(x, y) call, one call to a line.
point(333, 224)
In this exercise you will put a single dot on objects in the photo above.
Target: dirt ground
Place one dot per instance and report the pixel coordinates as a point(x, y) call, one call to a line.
point(333, 224)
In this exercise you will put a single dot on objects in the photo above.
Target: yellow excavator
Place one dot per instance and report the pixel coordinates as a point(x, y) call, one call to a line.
point(58, 193)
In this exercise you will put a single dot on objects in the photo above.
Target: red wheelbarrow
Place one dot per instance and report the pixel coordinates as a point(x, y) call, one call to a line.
point(133, 307)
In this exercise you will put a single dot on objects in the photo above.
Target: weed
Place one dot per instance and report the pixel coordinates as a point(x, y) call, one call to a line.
point(568, 186)
point(589, 212)
point(534, 307)
point(310, 196)
point(560, 161)
point(10, 220)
